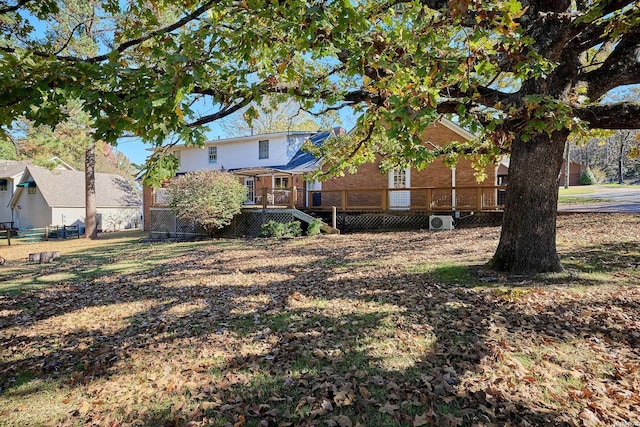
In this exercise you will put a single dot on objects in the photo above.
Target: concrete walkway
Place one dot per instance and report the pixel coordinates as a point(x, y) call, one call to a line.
point(625, 200)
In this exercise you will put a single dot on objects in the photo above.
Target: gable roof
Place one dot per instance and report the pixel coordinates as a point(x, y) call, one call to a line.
point(456, 128)
point(66, 188)
point(301, 162)
point(12, 168)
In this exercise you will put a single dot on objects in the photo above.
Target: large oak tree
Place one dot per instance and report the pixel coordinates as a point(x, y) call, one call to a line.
point(522, 75)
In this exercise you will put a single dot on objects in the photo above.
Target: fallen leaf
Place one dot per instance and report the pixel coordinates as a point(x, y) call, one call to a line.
point(388, 408)
point(343, 421)
point(420, 420)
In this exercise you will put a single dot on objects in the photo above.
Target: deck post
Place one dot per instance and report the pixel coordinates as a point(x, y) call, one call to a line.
point(385, 199)
point(334, 217)
point(429, 196)
point(264, 198)
point(479, 198)
point(294, 196)
point(343, 200)
point(9, 236)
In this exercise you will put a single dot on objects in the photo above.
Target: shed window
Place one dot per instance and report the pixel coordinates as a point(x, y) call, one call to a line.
point(263, 149)
point(31, 190)
point(3, 185)
point(213, 154)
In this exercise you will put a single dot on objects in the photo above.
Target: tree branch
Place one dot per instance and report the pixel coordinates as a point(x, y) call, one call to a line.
point(130, 43)
point(620, 68)
point(487, 96)
point(623, 115)
point(10, 9)
point(220, 114)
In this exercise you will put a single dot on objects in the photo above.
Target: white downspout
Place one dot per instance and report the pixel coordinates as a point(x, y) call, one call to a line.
point(453, 192)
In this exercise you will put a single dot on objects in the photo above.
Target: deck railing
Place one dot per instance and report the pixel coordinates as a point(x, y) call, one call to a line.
point(430, 199)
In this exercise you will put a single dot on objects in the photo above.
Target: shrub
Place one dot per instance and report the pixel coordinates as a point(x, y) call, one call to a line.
point(313, 228)
point(210, 198)
point(588, 178)
point(599, 175)
point(281, 229)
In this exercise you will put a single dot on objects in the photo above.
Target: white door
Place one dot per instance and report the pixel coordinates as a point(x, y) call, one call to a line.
point(250, 183)
point(400, 178)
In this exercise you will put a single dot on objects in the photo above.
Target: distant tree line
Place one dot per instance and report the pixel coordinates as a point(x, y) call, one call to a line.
point(611, 157)
point(68, 141)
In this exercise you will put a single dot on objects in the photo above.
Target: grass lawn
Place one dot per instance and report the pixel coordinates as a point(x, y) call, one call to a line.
point(384, 329)
point(578, 195)
point(586, 189)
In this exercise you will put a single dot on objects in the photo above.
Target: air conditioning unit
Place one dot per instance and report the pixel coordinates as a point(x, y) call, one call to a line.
point(440, 222)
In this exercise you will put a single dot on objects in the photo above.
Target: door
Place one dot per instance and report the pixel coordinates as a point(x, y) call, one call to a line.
point(399, 178)
point(250, 184)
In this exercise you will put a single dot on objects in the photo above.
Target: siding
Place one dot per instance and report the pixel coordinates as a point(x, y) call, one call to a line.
point(5, 197)
point(33, 212)
point(241, 153)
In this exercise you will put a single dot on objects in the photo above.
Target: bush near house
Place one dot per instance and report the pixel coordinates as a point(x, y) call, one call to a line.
point(281, 229)
point(588, 177)
point(210, 198)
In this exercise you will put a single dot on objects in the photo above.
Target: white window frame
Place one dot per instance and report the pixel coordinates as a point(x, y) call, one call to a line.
point(263, 149)
point(399, 177)
point(278, 182)
point(213, 154)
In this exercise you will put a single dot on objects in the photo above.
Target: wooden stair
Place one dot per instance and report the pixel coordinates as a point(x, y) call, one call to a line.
point(308, 218)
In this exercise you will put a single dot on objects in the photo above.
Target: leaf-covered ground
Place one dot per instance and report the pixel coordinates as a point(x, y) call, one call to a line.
point(387, 329)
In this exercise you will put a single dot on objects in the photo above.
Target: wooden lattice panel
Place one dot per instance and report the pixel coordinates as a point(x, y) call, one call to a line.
point(484, 219)
point(163, 223)
point(410, 221)
point(364, 222)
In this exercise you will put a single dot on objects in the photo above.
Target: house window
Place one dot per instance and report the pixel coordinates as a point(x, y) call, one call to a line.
point(3, 185)
point(281, 182)
point(31, 190)
point(263, 149)
point(213, 154)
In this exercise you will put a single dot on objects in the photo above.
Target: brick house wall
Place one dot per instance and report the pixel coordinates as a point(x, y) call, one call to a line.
point(575, 171)
point(436, 174)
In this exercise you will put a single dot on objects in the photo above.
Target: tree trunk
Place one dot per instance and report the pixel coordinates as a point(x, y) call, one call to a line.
point(620, 162)
point(90, 230)
point(567, 164)
point(528, 239)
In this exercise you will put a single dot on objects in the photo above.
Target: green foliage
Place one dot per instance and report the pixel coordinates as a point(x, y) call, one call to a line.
point(399, 66)
point(7, 150)
point(588, 178)
point(281, 230)
point(210, 198)
point(313, 228)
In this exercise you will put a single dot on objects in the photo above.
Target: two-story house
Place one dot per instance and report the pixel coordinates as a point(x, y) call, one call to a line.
point(273, 168)
point(268, 161)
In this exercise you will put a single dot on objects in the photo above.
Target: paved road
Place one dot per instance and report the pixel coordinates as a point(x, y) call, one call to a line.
point(619, 200)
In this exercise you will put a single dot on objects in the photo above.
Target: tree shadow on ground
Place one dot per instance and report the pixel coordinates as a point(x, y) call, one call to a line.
point(325, 341)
